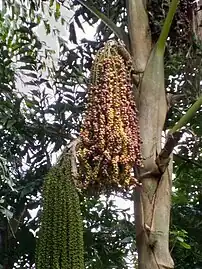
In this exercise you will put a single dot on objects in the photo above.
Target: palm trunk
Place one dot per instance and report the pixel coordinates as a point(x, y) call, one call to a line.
point(152, 215)
point(197, 21)
point(152, 199)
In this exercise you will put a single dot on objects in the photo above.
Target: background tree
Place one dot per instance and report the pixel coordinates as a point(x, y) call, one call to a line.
point(32, 136)
point(36, 122)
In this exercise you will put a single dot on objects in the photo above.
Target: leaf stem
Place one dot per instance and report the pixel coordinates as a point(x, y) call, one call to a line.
point(166, 27)
point(120, 33)
point(185, 118)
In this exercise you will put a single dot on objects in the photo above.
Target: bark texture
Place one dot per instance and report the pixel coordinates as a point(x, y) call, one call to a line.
point(152, 200)
point(152, 214)
point(140, 35)
point(197, 21)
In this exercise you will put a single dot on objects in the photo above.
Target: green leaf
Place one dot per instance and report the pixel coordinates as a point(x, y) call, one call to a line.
point(180, 239)
point(79, 23)
point(24, 29)
point(72, 33)
point(185, 245)
point(47, 27)
point(26, 59)
point(10, 123)
point(7, 213)
point(128, 239)
point(119, 32)
point(57, 11)
point(27, 67)
point(5, 176)
point(51, 3)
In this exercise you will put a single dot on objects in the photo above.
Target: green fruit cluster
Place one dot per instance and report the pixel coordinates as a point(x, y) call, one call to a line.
point(60, 242)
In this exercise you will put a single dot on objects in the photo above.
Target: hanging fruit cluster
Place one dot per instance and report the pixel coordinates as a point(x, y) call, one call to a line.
point(110, 139)
point(60, 243)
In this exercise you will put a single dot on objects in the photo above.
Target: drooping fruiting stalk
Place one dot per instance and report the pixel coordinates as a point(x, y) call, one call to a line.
point(60, 243)
point(110, 139)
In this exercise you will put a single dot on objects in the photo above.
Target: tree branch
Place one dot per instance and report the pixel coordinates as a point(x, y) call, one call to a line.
point(163, 158)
